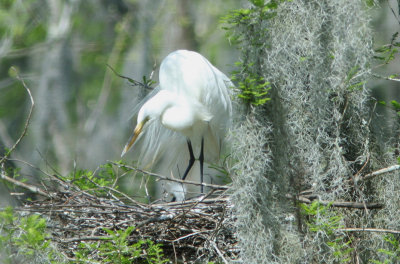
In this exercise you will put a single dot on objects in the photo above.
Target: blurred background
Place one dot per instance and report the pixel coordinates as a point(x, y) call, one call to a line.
point(61, 48)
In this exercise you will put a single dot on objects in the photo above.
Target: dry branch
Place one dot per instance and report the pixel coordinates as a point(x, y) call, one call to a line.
point(3, 175)
point(161, 177)
point(187, 229)
point(351, 205)
point(28, 187)
point(27, 120)
point(379, 172)
point(379, 230)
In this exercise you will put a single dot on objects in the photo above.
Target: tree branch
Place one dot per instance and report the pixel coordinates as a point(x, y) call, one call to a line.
point(31, 188)
point(379, 172)
point(213, 186)
point(27, 120)
point(379, 230)
point(353, 205)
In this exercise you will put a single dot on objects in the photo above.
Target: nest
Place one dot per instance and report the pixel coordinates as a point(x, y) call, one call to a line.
point(191, 231)
point(198, 230)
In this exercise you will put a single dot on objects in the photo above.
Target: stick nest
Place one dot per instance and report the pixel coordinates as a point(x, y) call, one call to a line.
point(189, 231)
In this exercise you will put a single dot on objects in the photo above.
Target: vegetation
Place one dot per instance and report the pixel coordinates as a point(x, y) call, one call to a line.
point(315, 149)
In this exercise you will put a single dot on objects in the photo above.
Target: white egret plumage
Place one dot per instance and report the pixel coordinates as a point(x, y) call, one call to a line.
point(190, 111)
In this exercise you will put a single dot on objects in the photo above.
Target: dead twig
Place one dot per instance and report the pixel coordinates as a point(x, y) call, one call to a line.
point(26, 186)
point(352, 205)
point(134, 82)
point(359, 229)
point(213, 186)
point(379, 172)
point(3, 175)
point(27, 120)
point(219, 253)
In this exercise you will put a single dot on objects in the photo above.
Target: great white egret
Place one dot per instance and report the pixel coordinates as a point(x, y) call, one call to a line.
point(190, 110)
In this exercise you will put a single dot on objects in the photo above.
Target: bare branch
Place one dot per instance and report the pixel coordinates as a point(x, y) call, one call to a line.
point(379, 230)
point(87, 238)
point(379, 172)
point(214, 186)
point(219, 253)
point(385, 78)
point(29, 187)
point(27, 120)
point(353, 205)
point(134, 82)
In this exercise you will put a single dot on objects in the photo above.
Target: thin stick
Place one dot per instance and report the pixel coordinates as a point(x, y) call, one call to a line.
point(379, 172)
point(189, 235)
point(31, 188)
point(385, 78)
point(219, 253)
point(214, 186)
point(378, 230)
point(134, 82)
point(27, 120)
point(354, 205)
point(88, 238)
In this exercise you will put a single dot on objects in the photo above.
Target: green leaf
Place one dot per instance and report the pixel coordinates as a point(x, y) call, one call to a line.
point(352, 72)
point(395, 104)
point(258, 3)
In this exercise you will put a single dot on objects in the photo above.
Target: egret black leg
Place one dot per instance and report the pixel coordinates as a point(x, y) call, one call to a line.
point(191, 160)
point(201, 160)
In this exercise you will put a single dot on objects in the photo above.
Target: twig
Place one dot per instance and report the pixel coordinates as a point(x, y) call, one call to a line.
point(134, 82)
point(189, 235)
point(385, 78)
point(354, 205)
point(27, 120)
point(394, 13)
point(50, 176)
point(31, 188)
point(173, 247)
point(161, 218)
point(88, 238)
point(379, 172)
point(362, 168)
point(214, 186)
point(219, 253)
point(379, 230)
point(189, 202)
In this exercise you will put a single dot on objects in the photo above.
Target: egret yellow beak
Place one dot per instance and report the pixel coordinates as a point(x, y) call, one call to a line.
point(136, 133)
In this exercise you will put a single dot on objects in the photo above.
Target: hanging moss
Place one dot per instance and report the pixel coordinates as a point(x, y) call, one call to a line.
point(312, 134)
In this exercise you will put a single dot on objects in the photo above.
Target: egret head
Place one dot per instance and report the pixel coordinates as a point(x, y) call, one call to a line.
point(150, 111)
point(136, 132)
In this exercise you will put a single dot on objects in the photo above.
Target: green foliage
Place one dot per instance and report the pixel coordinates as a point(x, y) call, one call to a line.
point(351, 82)
point(94, 181)
point(394, 105)
point(317, 222)
point(33, 237)
point(392, 254)
point(387, 53)
point(24, 239)
point(24, 31)
point(243, 29)
point(320, 220)
point(118, 249)
point(261, 10)
point(253, 89)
